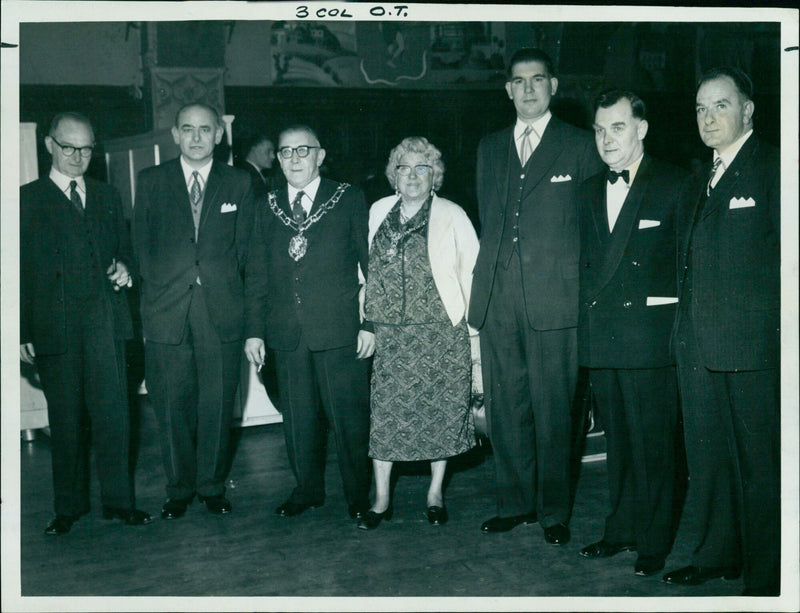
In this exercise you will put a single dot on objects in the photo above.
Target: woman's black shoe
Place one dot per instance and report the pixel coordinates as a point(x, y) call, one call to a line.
point(372, 519)
point(437, 515)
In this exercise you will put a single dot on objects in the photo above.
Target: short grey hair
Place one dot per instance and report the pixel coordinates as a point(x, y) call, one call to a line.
point(416, 144)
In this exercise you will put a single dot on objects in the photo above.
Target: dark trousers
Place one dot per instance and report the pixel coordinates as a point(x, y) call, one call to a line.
point(638, 409)
point(87, 403)
point(192, 387)
point(529, 380)
point(732, 433)
point(318, 390)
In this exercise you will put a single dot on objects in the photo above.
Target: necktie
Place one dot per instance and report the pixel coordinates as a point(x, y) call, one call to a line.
point(75, 197)
point(298, 212)
point(712, 174)
point(195, 193)
point(527, 146)
point(614, 175)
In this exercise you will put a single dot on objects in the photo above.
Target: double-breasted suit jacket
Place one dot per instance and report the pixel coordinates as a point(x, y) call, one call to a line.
point(317, 295)
point(628, 280)
point(548, 222)
point(171, 257)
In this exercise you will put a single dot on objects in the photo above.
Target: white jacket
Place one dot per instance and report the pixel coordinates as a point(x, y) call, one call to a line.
point(452, 250)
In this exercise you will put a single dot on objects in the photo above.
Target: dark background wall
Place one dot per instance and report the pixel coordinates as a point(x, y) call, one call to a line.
point(359, 125)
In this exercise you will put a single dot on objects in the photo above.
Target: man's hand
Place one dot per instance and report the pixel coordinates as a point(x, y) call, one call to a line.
point(118, 275)
point(255, 351)
point(26, 353)
point(365, 346)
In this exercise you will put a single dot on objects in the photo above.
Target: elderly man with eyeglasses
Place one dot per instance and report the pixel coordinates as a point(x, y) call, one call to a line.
point(75, 264)
point(301, 294)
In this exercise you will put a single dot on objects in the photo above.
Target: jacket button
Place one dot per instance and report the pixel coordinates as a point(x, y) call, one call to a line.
point(627, 304)
point(191, 240)
point(635, 263)
point(190, 286)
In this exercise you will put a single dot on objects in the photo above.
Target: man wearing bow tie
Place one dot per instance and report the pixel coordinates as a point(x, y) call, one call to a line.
point(628, 300)
point(191, 228)
point(74, 319)
point(302, 299)
point(524, 297)
point(727, 343)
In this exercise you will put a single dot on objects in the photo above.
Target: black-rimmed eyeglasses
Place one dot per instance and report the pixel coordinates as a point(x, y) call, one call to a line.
point(302, 151)
point(421, 169)
point(69, 150)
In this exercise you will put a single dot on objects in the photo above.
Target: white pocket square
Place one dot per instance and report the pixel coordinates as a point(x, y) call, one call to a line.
point(648, 223)
point(741, 203)
point(661, 300)
point(560, 178)
point(227, 208)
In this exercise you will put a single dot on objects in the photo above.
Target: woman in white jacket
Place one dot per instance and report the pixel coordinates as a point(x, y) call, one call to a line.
point(422, 251)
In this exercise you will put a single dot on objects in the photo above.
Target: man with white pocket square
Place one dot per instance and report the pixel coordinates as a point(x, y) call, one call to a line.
point(191, 227)
point(628, 301)
point(524, 297)
point(727, 344)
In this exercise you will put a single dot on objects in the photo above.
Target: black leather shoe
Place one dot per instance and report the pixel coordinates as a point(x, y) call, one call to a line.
point(372, 519)
point(696, 575)
point(437, 515)
point(174, 508)
point(290, 509)
point(358, 511)
point(504, 524)
point(557, 535)
point(605, 549)
point(60, 524)
point(648, 565)
point(218, 505)
point(132, 517)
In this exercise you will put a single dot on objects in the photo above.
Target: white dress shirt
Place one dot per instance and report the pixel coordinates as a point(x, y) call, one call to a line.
point(202, 172)
point(536, 134)
point(727, 157)
point(63, 181)
point(309, 194)
point(617, 192)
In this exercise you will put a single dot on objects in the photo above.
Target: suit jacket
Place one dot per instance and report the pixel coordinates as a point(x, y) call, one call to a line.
point(734, 240)
point(628, 292)
point(548, 223)
point(44, 214)
point(317, 295)
point(170, 259)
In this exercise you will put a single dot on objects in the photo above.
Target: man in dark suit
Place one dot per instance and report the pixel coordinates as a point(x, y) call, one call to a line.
point(75, 261)
point(192, 223)
point(525, 297)
point(302, 297)
point(259, 157)
point(627, 307)
point(727, 343)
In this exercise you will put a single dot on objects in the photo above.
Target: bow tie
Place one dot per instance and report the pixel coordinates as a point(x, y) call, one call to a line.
point(614, 175)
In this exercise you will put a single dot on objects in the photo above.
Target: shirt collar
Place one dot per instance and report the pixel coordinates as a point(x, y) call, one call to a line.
point(203, 171)
point(309, 190)
point(538, 125)
point(730, 154)
point(63, 181)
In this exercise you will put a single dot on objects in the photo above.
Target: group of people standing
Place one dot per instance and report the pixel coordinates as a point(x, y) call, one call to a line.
point(662, 284)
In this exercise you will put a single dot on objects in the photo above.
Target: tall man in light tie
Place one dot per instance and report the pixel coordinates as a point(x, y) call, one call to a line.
point(524, 297)
point(627, 308)
point(192, 224)
point(727, 343)
point(75, 263)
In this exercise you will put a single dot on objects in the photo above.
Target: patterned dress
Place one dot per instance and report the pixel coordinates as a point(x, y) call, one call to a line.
point(422, 367)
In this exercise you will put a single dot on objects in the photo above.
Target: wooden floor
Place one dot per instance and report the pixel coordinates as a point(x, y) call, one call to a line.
point(252, 552)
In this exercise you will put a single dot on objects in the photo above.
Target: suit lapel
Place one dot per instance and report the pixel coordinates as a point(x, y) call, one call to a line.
point(625, 223)
point(324, 192)
point(543, 157)
point(210, 196)
point(502, 156)
point(721, 194)
point(178, 193)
